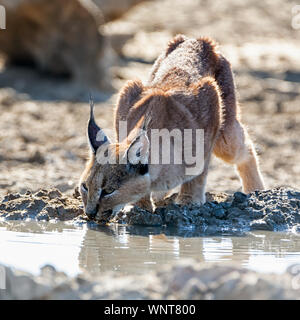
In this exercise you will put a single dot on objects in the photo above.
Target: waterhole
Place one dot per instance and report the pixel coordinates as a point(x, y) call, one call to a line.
point(136, 250)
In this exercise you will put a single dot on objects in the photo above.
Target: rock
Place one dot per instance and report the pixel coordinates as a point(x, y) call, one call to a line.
point(219, 213)
point(40, 193)
point(239, 197)
point(11, 196)
point(42, 216)
point(186, 279)
point(54, 193)
point(138, 216)
point(260, 225)
point(59, 37)
point(42, 205)
point(234, 212)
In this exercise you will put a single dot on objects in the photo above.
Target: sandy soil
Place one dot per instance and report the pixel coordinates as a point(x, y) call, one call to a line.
point(43, 119)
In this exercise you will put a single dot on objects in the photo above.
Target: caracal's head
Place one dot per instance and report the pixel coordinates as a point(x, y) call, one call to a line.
point(116, 173)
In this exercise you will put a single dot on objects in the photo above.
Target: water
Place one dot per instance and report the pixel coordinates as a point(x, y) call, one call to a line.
point(131, 250)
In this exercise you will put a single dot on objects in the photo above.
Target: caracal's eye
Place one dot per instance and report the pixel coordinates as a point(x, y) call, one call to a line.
point(107, 191)
point(84, 187)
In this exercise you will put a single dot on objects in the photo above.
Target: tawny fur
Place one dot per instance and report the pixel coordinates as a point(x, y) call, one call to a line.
point(190, 86)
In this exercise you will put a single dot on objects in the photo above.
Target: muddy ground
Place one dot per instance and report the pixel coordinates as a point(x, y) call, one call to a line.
point(272, 210)
point(43, 119)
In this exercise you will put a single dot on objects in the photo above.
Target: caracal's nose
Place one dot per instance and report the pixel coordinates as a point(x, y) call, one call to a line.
point(91, 212)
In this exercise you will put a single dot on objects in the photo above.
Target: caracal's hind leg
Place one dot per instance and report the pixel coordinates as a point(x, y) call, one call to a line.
point(235, 146)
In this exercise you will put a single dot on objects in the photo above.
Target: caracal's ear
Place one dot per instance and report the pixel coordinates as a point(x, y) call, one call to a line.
point(130, 93)
point(139, 145)
point(96, 136)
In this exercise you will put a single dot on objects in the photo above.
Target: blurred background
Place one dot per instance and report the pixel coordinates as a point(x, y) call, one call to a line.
point(53, 52)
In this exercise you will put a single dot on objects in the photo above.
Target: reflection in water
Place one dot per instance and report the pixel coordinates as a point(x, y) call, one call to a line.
point(217, 249)
point(145, 249)
point(30, 245)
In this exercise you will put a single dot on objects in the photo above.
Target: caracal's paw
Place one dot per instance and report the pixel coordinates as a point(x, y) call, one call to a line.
point(145, 203)
point(188, 199)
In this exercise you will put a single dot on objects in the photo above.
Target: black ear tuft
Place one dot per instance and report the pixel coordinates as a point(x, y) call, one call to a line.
point(95, 135)
point(144, 169)
point(139, 168)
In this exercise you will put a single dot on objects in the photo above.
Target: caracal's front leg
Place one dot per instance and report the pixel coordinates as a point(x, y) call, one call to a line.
point(193, 191)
